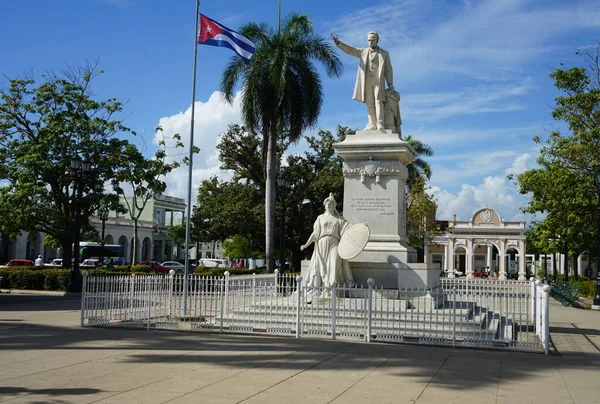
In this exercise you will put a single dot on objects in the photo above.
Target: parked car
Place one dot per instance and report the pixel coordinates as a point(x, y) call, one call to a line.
point(55, 263)
point(213, 262)
point(90, 263)
point(155, 266)
point(174, 265)
point(18, 263)
point(456, 272)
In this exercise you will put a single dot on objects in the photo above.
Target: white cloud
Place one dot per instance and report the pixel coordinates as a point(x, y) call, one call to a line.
point(211, 119)
point(495, 192)
point(443, 137)
point(465, 101)
point(485, 40)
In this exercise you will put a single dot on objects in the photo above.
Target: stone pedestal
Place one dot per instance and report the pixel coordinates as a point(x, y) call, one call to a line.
point(375, 174)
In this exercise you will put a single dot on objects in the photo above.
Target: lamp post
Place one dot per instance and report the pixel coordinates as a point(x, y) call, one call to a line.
point(79, 169)
point(103, 214)
point(284, 185)
point(596, 302)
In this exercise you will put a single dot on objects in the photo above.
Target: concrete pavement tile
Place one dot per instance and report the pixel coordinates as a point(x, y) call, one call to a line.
point(459, 395)
point(300, 390)
point(140, 395)
point(381, 393)
point(464, 379)
point(238, 387)
point(523, 376)
point(61, 395)
point(585, 395)
point(68, 375)
point(198, 397)
point(16, 356)
point(549, 392)
point(195, 380)
point(473, 364)
point(583, 377)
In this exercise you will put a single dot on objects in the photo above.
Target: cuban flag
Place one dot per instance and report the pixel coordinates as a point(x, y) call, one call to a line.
point(215, 34)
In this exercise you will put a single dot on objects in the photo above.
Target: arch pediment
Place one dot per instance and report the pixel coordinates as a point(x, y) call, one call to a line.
point(486, 217)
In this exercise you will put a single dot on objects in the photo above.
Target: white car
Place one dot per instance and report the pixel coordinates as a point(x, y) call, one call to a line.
point(174, 265)
point(214, 262)
point(56, 263)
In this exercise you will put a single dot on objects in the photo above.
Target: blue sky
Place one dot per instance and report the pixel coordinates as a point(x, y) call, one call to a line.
point(473, 74)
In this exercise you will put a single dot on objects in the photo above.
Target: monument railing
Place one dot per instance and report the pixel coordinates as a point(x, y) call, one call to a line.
point(477, 313)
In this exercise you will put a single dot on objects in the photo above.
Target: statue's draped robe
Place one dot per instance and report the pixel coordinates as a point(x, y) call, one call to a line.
point(326, 267)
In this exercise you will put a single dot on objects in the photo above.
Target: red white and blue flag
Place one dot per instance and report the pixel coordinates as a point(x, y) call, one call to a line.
point(212, 33)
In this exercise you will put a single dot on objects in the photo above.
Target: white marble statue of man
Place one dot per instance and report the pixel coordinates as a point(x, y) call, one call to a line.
point(327, 268)
point(374, 70)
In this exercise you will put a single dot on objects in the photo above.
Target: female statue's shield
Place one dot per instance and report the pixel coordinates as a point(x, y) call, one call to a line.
point(354, 241)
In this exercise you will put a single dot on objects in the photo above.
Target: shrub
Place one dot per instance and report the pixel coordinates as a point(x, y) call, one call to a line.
point(27, 279)
point(56, 279)
point(5, 275)
point(586, 288)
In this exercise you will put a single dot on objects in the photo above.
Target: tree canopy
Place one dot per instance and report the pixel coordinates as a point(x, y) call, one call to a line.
point(42, 127)
point(563, 188)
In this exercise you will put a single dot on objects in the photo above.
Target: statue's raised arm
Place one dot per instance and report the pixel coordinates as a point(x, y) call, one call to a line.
point(374, 71)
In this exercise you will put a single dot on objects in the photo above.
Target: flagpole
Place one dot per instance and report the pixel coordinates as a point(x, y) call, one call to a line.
point(278, 16)
point(190, 162)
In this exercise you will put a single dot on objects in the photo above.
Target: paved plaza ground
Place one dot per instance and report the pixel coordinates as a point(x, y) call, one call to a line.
point(45, 357)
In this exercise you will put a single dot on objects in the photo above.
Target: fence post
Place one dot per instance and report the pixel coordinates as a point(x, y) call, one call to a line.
point(533, 300)
point(171, 281)
point(148, 282)
point(222, 301)
point(298, 304)
point(131, 296)
point(333, 312)
point(546, 302)
point(454, 317)
point(538, 307)
point(370, 282)
point(254, 289)
point(83, 287)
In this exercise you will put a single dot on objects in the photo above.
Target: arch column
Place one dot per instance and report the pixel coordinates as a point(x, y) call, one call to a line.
point(469, 259)
point(522, 261)
point(502, 261)
point(426, 249)
point(450, 258)
point(488, 259)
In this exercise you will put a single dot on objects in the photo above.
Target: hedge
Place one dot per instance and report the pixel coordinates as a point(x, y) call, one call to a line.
point(40, 279)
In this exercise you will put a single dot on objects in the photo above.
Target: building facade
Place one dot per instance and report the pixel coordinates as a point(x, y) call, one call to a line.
point(153, 243)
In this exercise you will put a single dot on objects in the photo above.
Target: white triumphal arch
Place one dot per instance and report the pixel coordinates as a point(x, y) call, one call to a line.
point(485, 240)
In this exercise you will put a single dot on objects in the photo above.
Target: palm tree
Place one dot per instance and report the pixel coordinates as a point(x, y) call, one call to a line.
point(282, 93)
point(419, 171)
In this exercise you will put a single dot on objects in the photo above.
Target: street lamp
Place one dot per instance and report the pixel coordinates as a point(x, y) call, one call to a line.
point(596, 301)
point(284, 185)
point(103, 214)
point(79, 170)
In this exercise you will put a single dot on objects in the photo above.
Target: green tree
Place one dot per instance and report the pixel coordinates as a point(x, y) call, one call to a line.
point(419, 171)
point(238, 247)
point(563, 187)
point(282, 93)
point(145, 178)
point(42, 127)
point(226, 208)
point(421, 209)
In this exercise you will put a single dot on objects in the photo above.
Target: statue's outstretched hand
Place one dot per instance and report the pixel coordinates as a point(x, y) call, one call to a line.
point(335, 38)
point(303, 247)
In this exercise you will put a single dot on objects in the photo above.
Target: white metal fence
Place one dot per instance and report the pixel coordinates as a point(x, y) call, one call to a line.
point(481, 313)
